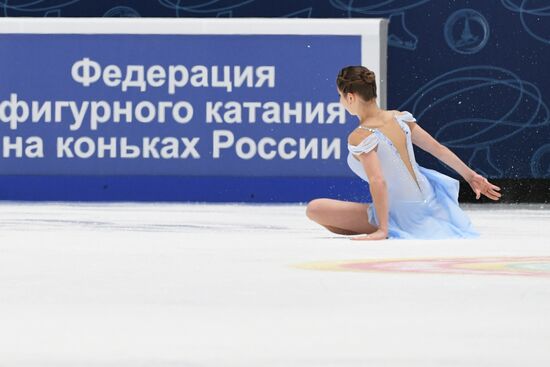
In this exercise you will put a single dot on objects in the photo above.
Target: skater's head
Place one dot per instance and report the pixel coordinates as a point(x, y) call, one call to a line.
point(355, 82)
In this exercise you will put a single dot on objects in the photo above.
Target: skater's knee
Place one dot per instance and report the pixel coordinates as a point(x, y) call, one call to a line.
point(314, 209)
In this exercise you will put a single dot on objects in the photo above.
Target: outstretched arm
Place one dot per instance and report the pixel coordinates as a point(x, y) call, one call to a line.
point(478, 183)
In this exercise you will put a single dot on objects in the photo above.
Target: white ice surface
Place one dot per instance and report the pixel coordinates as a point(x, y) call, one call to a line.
point(214, 285)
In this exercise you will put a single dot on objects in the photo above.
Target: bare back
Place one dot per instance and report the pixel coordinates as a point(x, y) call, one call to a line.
point(388, 125)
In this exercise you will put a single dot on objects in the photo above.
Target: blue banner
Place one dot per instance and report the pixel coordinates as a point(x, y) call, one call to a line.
point(188, 105)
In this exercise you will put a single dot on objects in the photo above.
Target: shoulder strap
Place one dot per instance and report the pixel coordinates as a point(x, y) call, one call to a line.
point(367, 128)
point(406, 116)
point(366, 145)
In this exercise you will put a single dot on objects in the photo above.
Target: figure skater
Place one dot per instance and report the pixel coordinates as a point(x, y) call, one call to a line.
point(409, 201)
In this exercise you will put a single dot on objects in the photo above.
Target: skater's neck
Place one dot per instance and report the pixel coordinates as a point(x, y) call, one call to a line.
point(367, 110)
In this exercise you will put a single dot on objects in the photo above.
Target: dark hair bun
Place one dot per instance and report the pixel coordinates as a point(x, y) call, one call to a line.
point(357, 79)
point(367, 76)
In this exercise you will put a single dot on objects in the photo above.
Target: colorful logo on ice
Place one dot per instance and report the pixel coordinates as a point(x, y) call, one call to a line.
point(523, 266)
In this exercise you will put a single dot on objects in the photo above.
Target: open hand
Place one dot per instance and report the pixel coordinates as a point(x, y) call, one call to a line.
point(374, 236)
point(480, 185)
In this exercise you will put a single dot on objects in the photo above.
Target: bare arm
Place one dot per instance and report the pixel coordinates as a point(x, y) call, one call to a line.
point(378, 187)
point(426, 142)
point(377, 184)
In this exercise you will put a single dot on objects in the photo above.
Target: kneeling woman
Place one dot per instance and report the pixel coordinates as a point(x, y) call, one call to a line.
point(409, 201)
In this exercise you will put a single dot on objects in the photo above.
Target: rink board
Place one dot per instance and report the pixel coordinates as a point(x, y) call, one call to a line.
point(180, 109)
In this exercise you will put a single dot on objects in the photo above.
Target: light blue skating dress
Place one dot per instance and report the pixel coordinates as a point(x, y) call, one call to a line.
point(427, 210)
